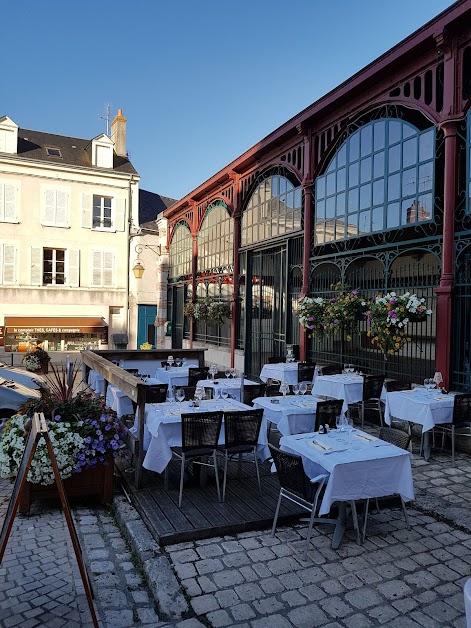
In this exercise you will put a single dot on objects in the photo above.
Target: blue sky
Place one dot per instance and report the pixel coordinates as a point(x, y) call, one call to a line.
point(199, 82)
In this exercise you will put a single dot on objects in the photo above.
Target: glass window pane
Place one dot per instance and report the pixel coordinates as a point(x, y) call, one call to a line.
point(377, 219)
point(275, 186)
point(342, 156)
point(298, 198)
point(425, 207)
point(408, 131)
point(394, 189)
point(320, 187)
point(341, 179)
point(354, 146)
point(282, 182)
point(394, 157)
point(330, 207)
point(409, 212)
point(378, 192)
point(395, 131)
point(353, 172)
point(331, 166)
point(331, 183)
point(364, 219)
point(339, 229)
point(426, 145)
point(365, 170)
point(366, 140)
point(320, 209)
point(353, 200)
point(409, 182)
point(320, 232)
point(365, 196)
point(379, 130)
point(340, 204)
point(409, 152)
point(352, 225)
point(425, 182)
point(393, 216)
point(378, 165)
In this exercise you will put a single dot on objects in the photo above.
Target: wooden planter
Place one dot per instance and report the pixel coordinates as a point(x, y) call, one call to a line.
point(90, 482)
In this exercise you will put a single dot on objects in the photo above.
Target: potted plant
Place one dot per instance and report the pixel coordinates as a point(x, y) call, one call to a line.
point(311, 315)
point(85, 435)
point(343, 310)
point(209, 310)
point(389, 318)
point(37, 360)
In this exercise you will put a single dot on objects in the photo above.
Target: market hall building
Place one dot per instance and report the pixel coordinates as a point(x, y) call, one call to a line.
point(369, 186)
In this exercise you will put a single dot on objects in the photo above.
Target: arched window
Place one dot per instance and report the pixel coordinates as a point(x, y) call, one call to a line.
point(215, 239)
point(380, 178)
point(180, 252)
point(274, 209)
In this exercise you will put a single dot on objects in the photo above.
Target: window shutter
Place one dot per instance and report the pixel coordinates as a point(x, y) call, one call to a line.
point(87, 205)
point(2, 202)
point(97, 258)
point(61, 208)
point(10, 202)
point(36, 266)
point(120, 213)
point(72, 257)
point(49, 207)
point(9, 255)
point(108, 264)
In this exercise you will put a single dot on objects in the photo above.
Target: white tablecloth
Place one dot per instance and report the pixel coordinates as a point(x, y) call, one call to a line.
point(293, 415)
point(284, 372)
point(357, 469)
point(96, 382)
point(176, 376)
point(163, 430)
point(118, 401)
point(145, 367)
point(418, 406)
point(346, 387)
point(231, 385)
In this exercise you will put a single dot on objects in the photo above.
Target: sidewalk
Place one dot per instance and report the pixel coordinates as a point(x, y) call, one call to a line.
point(398, 578)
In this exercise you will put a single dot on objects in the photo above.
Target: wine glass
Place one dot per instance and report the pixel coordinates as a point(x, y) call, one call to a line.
point(348, 427)
point(227, 372)
point(199, 393)
point(438, 379)
point(296, 389)
point(178, 362)
point(180, 395)
point(345, 368)
point(303, 388)
point(284, 389)
point(213, 369)
point(224, 393)
point(233, 372)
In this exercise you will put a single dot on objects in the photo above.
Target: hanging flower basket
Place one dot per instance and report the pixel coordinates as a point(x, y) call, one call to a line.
point(343, 310)
point(209, 311)
point(389, 318)
point(311, 315)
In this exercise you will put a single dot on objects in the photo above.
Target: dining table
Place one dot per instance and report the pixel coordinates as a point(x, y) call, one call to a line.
point(96, 382)
point(358, 466)
point(231, 386)
point(291, 414)
point(346, 386)
point(173, 376)
point(422, 407)
point(162, 429)
point(283, 372)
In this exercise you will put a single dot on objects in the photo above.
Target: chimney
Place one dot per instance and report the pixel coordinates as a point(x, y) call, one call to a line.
point(118, 134)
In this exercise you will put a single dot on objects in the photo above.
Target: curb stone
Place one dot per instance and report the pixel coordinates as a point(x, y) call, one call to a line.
point(159, 574)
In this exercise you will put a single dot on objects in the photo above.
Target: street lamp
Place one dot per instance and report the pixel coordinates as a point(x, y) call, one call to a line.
point(138, 268)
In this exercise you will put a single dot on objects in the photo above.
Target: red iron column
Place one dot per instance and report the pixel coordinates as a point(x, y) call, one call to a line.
point(445, 289)
point(235, 295)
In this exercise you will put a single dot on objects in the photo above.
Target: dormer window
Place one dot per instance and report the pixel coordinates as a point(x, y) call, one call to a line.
point(102, 152)
point(8, 136)
point(53, 152)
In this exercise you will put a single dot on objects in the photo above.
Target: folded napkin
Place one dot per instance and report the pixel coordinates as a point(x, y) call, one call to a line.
point(308, 404)
point(321, 446)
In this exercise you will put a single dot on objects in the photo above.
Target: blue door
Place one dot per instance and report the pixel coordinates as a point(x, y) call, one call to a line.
point(145, 324)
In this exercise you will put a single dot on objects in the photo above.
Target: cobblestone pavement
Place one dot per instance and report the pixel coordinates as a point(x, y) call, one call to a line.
point(398, 578)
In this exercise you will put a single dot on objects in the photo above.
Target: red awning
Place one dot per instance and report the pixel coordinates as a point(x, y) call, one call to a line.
point(54, 324)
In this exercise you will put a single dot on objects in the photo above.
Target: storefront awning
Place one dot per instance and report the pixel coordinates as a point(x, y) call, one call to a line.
point(54, 324)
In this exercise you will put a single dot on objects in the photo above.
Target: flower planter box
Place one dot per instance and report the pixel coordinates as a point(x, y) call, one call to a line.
point(90, 482)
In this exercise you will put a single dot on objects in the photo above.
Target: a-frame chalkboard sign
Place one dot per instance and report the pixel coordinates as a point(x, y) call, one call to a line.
point(38, 431)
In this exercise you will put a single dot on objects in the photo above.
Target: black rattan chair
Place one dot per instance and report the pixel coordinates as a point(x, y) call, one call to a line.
point(395, 385)
point(252, 391)
point(327, 412)
point(372, 388)
point(461, 421)
point(331, 369)
point(241, 432)
point(188, 390)
point(272, 390)
point(156, 393)
point(297, 488)
point(195, 374)
point(306, 371)
point(134, 372)
point(200, 435)
point(402, 440)
point(273, 360)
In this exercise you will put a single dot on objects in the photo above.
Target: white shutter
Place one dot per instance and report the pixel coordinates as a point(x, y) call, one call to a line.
point(97, 265)
point(10, 202)
point(61, 208)
point(72, 269)
point(49, 207)
point(9, 255)
point(2, 202)
point(87, 207)
point(108, 268)
point(10, 142)
point(120, 214)
point(36, 266)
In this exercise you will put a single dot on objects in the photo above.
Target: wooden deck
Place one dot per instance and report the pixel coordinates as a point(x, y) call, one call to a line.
point(201, 515)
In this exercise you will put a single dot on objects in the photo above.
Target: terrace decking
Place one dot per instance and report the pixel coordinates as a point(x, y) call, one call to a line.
point(201, 515)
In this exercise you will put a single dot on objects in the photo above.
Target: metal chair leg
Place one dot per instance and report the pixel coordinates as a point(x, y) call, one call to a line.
point(275, 519)
point(365, 519)
point(216, 473)
point(452, 445)
point(355, 521)
point(406, 517)
point(182, 473)
point(362, 413)
point(380, 410)
point(257, 470)
point(226, 457)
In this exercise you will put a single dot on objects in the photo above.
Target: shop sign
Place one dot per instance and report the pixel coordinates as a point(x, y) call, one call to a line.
point(45, 330)
point(2, 335)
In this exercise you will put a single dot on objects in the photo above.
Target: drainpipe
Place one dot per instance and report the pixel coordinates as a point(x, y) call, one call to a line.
point(129, 238)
